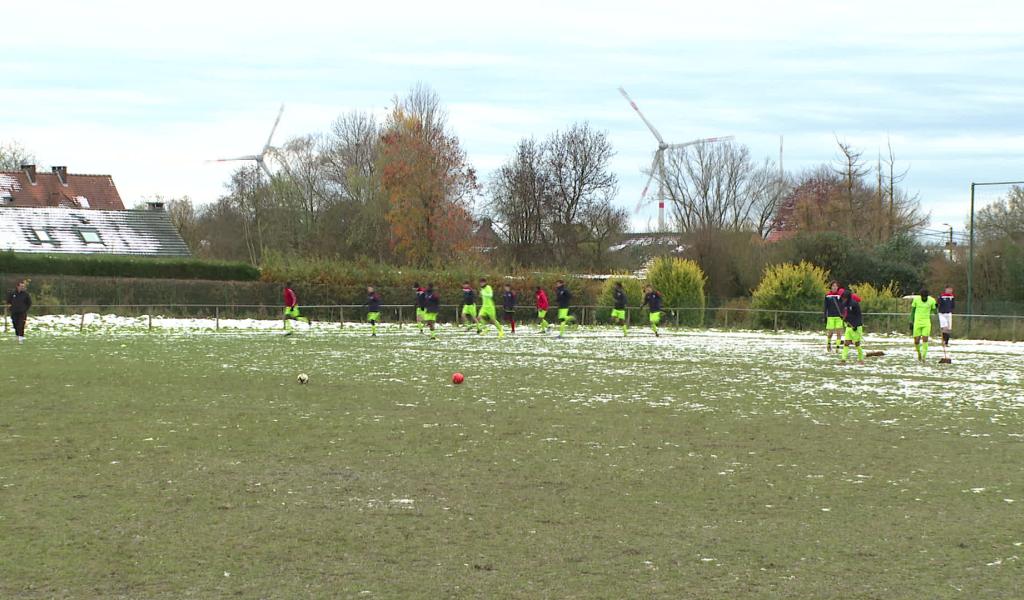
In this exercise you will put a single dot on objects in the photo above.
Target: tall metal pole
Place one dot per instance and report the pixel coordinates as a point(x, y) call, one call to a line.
point(970, 267)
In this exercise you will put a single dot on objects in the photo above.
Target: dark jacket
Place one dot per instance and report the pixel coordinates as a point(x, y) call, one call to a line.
point(468, 296)
point(20, 302)
point(433, 301)
point(832, 302)
point(373, 302)
point(653, 300)
point(853, 318)
point(508, 301)
point(620, 298)
point(947, 302)
point(563, 297)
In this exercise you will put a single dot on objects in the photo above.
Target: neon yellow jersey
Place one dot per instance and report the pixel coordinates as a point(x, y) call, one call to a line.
point(923, 310)
point(486, 297)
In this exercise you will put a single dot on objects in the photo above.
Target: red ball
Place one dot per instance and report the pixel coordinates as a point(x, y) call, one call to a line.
point(458, 378)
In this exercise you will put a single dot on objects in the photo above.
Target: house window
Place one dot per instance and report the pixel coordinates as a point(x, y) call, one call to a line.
point(42, 235)
point(90, 236)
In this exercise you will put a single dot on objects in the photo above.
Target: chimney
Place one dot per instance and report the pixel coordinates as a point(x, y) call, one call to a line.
point(155, 205)
point(30, 172)
point(61, 173)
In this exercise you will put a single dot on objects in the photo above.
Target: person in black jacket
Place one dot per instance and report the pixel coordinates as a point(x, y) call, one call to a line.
point(18, 303)
point(947, 304)
point(854, 320)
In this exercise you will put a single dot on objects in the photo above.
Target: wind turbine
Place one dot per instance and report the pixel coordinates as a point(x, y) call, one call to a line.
point(259, 159)
point(658, 166)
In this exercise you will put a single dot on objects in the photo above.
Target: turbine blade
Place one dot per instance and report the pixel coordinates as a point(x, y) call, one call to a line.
point(702, 141)
point(657, 135)
point(263, 166)
point(272, 130)
point(234, 159)
point(654, 169)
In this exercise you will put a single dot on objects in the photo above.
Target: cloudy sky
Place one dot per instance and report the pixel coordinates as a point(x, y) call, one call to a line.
point(147, 93)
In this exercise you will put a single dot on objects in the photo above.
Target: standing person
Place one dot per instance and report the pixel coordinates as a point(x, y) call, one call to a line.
point(291, 308)
point(508, 304)
point(854, 320)
point(18, 302)
point(833, 316)
point(921, 309)
point(468, 312)
point(619, 312)
point(652, 299)
point(541, 301)
point(372, 305)
point(947, 303)
point(421, 305)
point(487, 309)
point(563, 297)
point(431, 306)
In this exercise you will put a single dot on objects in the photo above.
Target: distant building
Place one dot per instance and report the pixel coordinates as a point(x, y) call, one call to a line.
point(485, 238)
point(58, 189)
point(63, 213)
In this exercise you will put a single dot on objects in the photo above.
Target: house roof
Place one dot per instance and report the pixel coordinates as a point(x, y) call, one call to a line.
point(81, 191)
point(80, 231)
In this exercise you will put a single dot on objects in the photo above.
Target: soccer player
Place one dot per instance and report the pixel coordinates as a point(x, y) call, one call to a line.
point(508, 304)
point(291, 308)
point(619, 312)
point(947, 303)
point(833, 317)
point(431, 306)
point(468, 312)
point(372, 305)
point(18, 302)
point(541, 301)
point(652, 299)
point(563, 297)
point(421, 305)
point(854, 320)
point(487, 309)
point(921, 309)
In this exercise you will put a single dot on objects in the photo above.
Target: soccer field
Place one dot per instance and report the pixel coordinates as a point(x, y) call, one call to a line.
point(695, 465)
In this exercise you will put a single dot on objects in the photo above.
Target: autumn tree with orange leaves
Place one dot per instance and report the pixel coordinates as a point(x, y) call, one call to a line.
point(429, 184)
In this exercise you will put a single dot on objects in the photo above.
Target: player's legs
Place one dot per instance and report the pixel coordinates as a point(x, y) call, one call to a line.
point(373, 318)
point(946, 326)
point(655, 319)
point(543, 316)
point(19, 320)
point(563, 319)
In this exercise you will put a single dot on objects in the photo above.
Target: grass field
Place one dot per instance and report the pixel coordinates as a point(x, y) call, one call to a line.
point(697, 465)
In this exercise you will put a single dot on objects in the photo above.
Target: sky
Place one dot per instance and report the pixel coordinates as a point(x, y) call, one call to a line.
point(148, 93)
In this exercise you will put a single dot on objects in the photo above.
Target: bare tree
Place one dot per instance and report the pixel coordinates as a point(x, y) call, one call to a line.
point(13, 155)
point(520, 191)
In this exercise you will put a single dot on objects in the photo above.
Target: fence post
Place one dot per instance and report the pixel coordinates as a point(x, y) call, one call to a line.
point(776, 320)
point(1013, 329)
point(216, 315)
point(5, 318)
point(726, 318)
point(81, 324)
point(677, 318)
point(341, 316)
point(150, 319)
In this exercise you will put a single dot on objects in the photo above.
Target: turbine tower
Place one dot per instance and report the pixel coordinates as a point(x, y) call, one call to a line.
point(658, 165)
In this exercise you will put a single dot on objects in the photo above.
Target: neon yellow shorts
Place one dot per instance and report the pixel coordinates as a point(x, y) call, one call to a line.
point(373, 316)
point(488, 312)
point(854, 335)
point(619, 313)
point(655, 317)
point(563, 314)
point(542, 314)
point(429, 316)
point(291, 312)
point(833, 323)
point(469, 310)
point(421, 313)
point(922, 329)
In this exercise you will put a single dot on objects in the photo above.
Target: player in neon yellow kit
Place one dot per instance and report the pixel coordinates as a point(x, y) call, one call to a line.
point(921, 309)
point(487, 309)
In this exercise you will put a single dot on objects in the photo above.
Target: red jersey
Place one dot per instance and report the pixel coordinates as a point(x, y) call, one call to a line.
point(542, 300)
point(289, 298)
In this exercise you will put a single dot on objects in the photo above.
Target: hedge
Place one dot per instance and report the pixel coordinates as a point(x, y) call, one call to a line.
point(789, 287)
point(110, 265)
point(681, 283)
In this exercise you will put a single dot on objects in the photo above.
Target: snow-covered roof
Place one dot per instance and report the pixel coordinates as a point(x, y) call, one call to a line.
point(83, 231)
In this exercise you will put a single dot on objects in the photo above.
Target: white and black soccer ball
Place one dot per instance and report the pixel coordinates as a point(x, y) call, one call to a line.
point(303, 378)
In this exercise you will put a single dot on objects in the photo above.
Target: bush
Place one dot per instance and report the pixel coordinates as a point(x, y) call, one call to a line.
point(789, 287)
point(884, 299)
point(681, 282)
point(634, 294)
point(125, 266)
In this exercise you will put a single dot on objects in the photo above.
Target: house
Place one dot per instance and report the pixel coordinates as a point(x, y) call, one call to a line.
point(485, 238)
point(63, 213)
point(28, 188)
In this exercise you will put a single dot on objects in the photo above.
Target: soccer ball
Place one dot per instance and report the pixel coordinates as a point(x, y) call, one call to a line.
point(457, 378)
point(303, 378)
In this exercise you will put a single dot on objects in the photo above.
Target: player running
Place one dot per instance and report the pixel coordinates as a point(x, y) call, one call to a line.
point(291, 308)
point(947, 304)
point(833, 316)
point(18, 302)
point(372, 305)
point(854, 319)
point(619, 312)
point(921, 309)
point(652, 300)
point(421, 305)
point(508, 304)
point(487, 309)
point(541, 301)
point(563, 297)
point(431, 306)
point(468, 313)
